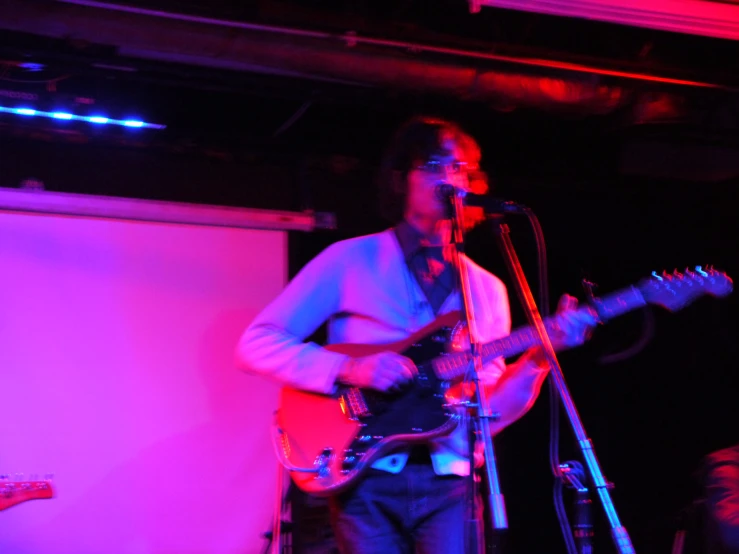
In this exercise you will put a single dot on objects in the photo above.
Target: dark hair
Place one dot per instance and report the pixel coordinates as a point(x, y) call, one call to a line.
point(416, 141)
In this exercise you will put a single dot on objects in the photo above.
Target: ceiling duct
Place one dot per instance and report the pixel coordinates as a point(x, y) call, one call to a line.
point(504, 82)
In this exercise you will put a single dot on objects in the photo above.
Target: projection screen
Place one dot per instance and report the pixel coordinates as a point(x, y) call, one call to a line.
point(116, 356)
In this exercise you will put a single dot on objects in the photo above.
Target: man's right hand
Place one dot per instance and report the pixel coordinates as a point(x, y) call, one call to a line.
point(385, 372)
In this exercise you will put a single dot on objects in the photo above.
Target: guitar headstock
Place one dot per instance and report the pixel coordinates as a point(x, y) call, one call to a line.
point(15, 492)
point(676, 290)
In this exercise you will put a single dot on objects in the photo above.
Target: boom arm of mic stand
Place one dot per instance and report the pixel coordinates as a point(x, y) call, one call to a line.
point(620, 536)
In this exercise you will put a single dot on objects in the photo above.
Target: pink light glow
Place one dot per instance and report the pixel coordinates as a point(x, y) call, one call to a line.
point(696, 17)
point(116, 349)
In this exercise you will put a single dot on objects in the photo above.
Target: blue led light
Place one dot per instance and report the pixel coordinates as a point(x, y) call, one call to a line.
point(97, 119)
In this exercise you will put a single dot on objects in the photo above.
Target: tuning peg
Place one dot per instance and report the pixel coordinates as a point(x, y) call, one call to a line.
point(693, 276)
point(677, 274)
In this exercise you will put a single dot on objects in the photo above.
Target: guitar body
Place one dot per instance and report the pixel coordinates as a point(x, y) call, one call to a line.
point(327, 442)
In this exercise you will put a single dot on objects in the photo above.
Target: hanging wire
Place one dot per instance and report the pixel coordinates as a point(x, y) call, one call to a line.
point(293, 118)
point(554, 404)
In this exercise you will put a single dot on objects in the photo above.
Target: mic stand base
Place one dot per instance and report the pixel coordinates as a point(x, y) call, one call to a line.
point(573, 475)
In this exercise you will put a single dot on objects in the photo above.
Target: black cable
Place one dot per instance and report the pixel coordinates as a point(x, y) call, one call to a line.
point(293, 118)
point(554, 405)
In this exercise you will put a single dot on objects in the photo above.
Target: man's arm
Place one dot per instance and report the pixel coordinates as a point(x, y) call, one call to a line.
point(517, 390)
point(273, 344)
point(519, 387)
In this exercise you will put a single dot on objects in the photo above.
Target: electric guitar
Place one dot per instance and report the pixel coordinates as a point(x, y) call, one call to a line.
point(326, 442)
point(15, 492)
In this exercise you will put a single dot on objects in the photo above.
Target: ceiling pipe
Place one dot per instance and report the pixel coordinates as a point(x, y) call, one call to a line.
point(352, 39)
point(181, 38)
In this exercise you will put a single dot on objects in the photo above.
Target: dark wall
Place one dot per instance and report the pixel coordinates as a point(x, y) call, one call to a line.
point(651, 415)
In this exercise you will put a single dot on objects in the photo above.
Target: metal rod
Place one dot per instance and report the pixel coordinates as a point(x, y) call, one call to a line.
point(63, 203)
point(619, 534)
point(353, 39)
point(479, 419)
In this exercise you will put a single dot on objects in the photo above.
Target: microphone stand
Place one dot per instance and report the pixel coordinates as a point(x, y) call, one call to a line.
point(479, 414)
point(618, 532)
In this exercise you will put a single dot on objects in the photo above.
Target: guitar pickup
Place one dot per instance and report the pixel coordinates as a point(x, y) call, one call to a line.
point(354, 403)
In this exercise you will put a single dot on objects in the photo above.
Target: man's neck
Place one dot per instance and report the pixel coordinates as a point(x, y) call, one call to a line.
point(434, 231)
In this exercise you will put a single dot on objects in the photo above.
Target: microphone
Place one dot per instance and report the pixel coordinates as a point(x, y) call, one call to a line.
point(491, 205)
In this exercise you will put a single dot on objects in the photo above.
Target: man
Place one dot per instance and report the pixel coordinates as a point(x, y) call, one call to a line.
point(381, 288)
point(721, 501)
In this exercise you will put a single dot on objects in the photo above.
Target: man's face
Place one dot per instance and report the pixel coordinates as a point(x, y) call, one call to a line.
point(423, 180)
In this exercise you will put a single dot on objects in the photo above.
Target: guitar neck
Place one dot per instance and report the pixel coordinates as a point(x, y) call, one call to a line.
point(454, 366)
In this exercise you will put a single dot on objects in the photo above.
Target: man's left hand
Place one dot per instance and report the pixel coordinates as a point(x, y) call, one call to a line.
point(572, 327)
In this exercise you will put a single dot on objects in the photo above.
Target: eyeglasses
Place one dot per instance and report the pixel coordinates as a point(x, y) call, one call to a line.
point(437, 167)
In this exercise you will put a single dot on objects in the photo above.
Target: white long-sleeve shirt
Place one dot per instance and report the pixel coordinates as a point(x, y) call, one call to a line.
point(364, 290)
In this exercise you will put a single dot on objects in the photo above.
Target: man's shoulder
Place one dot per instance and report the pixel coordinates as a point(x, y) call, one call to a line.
point(361, 244)
point(356, 249)
point(490, 280)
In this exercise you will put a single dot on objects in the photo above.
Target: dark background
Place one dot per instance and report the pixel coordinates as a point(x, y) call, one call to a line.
point(627, 174)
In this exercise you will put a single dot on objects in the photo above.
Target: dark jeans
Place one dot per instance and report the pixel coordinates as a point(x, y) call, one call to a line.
point(411, 511)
